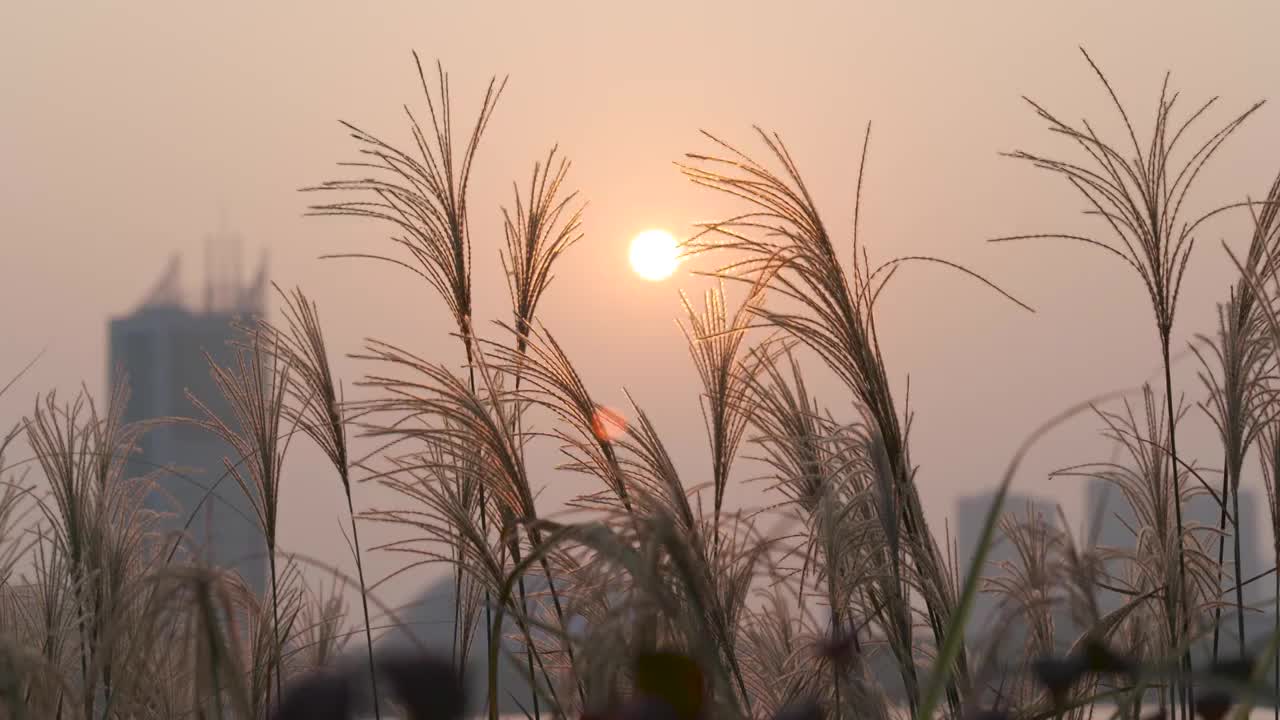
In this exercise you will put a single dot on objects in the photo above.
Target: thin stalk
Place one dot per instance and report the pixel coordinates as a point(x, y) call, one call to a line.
point(1222, 545)
point(1188, 694)
point(898, 512)
point(835, 633)
point(532, 656)
point(275, 612)
point(364, 606)
point(555, 602)
point(484, 521)
point(524, 601)
point(484, 528)
point(528, 634)
point(84, 653)
point(303, 348)
point(97, 643)
point(521, 345)
point(1235, 509)
point(457, 612)
point(523, 328)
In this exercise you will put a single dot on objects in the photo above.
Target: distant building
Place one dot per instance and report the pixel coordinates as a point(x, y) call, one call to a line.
point(1112, 522)
point(971, 514)
point(161, 349)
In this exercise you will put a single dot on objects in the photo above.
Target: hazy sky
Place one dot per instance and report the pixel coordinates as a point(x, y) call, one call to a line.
point(126, 127)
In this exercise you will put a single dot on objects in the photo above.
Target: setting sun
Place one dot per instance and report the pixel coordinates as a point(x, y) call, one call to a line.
point(654, 255)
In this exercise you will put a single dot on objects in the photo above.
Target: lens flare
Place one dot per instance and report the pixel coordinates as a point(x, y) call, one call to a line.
point(608, 424)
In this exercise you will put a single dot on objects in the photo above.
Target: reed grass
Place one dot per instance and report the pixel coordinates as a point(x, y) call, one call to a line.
point(1140, 199)
point(656, 596)
point(423, 196)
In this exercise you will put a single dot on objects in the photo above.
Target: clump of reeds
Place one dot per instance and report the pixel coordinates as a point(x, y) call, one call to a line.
point(658, 598)
point(1140, 200)
point(256, 389)
point(422, 195)
point(317, 407)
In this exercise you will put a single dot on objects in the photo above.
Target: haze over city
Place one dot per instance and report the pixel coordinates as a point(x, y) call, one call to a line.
point(131, 133)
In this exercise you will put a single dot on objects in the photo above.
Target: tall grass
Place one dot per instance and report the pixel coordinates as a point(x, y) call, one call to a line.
point(1139, 199)
point(784, 246)
point(1239, 402)
point(256, 389)
point(422, 195)
point(657, 593)
point(317, 407)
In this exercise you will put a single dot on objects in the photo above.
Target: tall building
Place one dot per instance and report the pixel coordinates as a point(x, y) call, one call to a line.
point(1113, 523)
point(160, 349)
point(971, 514)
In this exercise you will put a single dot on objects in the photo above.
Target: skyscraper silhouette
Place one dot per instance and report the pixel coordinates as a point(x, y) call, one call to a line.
point(163, 349)
point(1113, 522)
point(992, 614)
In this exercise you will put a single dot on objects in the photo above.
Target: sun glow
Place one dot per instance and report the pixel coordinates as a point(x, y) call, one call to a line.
point(654, 255)
point(608, 424)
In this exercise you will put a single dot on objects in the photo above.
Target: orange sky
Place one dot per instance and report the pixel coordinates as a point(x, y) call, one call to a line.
point(125, 127)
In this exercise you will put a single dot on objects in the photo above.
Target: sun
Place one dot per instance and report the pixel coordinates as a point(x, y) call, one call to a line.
point(654, 255)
